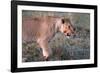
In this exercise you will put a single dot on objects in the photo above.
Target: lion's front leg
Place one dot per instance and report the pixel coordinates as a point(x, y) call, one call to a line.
point(46, 50)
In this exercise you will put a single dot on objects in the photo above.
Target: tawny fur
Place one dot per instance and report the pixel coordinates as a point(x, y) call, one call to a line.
point(42, 29)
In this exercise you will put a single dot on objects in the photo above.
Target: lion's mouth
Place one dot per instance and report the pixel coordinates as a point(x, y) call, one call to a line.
point(67, 34)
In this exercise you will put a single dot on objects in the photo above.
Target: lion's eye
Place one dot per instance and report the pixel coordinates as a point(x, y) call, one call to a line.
point(65, 31)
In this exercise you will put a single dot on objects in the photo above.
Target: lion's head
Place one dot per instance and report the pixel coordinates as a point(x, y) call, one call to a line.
point(66, 27)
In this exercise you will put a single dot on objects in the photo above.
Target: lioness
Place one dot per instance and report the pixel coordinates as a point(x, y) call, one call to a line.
point(42, 29)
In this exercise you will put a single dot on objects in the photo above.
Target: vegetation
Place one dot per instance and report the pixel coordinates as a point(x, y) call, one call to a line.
point(63, 48)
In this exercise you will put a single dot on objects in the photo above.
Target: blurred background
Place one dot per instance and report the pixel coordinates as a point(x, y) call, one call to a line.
point(77, 48)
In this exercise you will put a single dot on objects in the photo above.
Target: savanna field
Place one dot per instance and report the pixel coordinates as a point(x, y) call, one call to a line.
point(63, 48)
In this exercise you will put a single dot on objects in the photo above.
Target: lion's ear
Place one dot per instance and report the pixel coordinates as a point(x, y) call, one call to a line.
point(63, 21)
